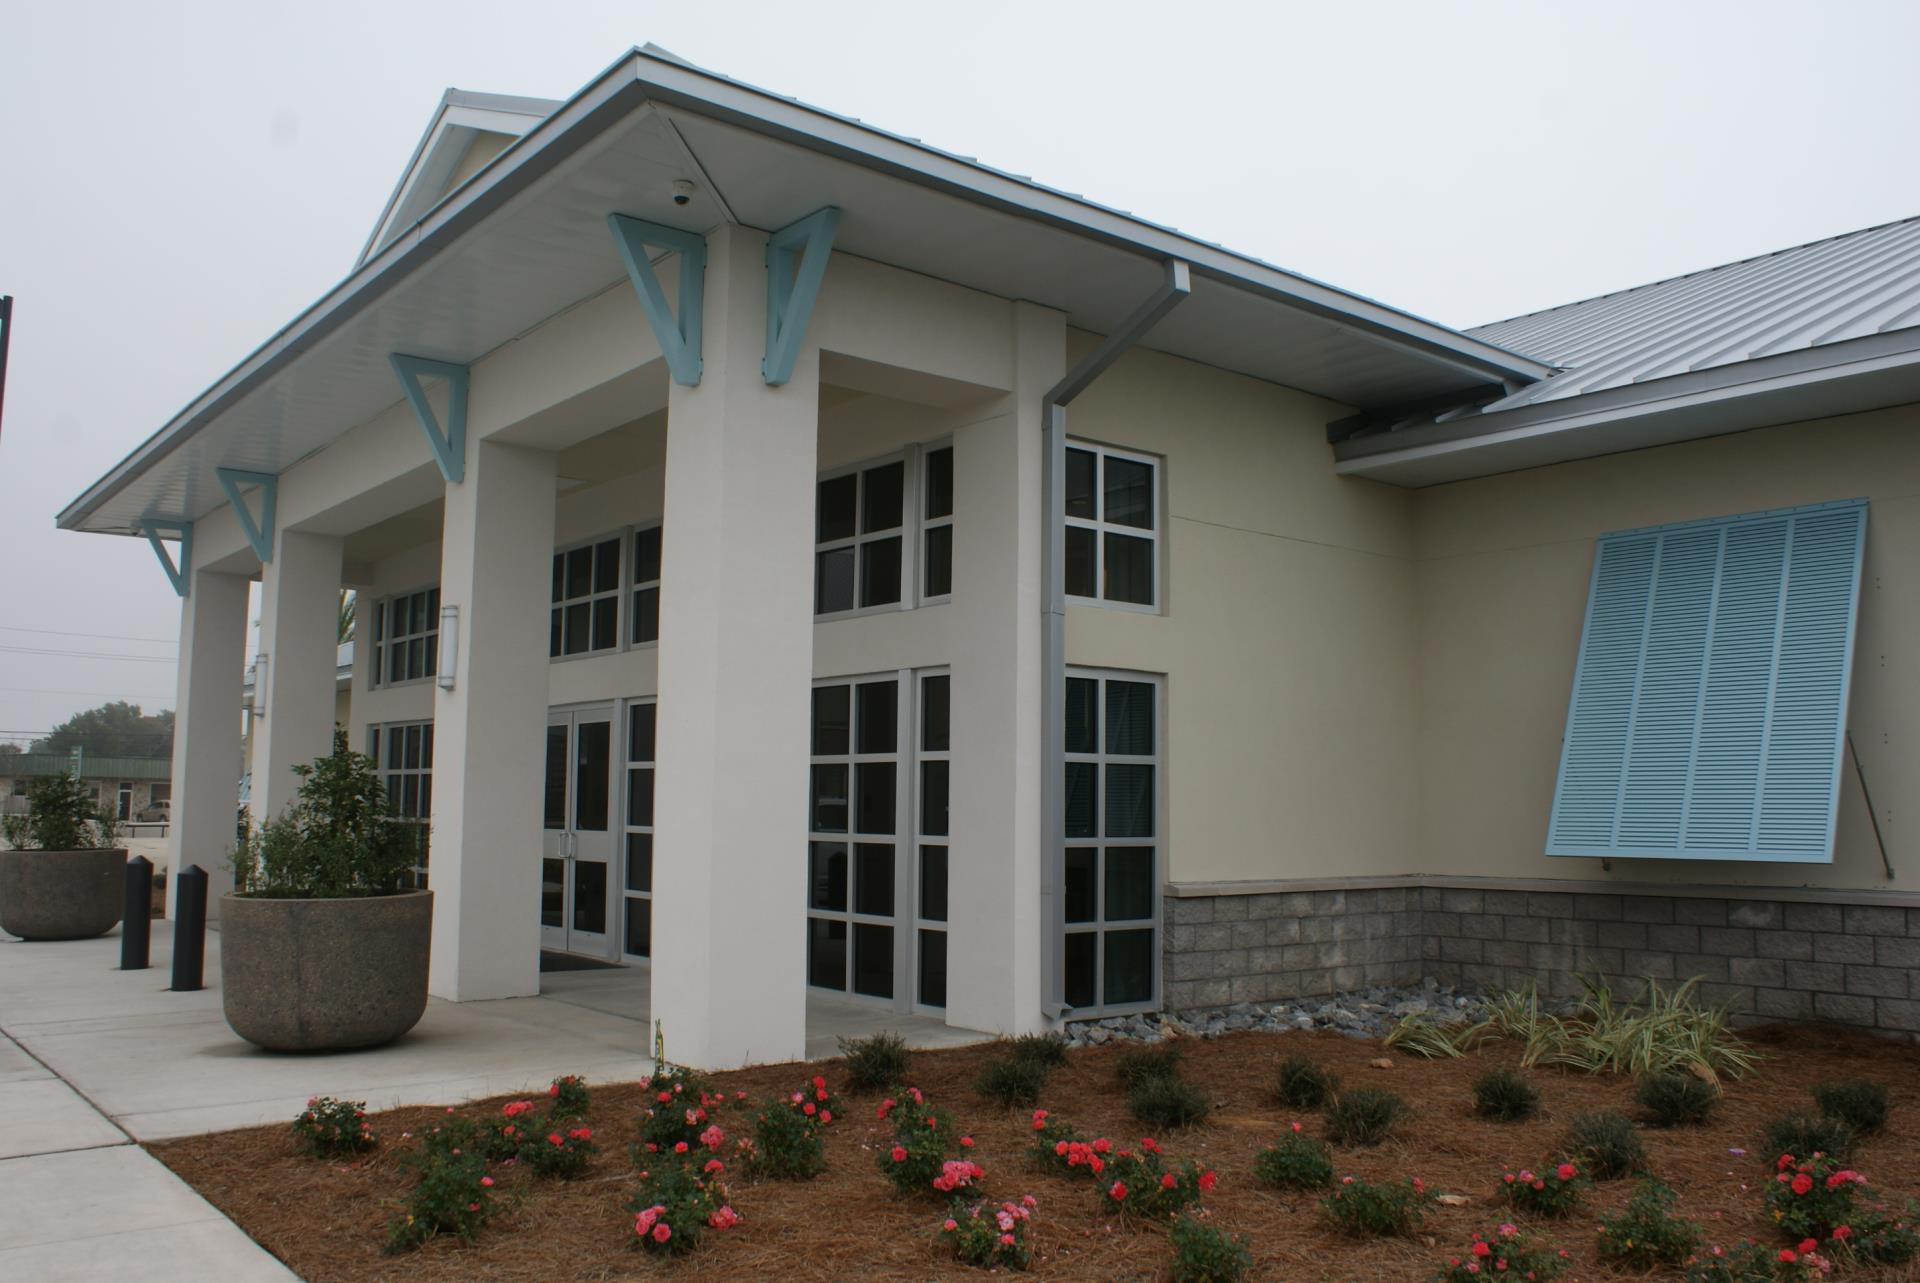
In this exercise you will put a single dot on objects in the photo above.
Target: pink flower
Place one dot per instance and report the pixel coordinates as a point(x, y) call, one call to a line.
point(1564, 1171)
point(680, 1147)
point(714, 1165)
point(712, 1137)
point(1117, 1191)
point(951, 1225)
point(899, 1154)
point(515, 1108)
point(1208, 1180)
point(487, 1181)
point(1294, 1126)
point(1039, 1120)
point(661, 1233)
point(554, 1090)
point(1006, 1240)
point(1027, 1200)
point(1801, 1183)
point(966, 1142)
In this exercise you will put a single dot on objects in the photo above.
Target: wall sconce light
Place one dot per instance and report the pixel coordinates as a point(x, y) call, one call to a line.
point(260, 684)
point(449, 646)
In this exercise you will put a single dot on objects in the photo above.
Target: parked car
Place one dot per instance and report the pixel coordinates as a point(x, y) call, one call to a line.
point(155, 812)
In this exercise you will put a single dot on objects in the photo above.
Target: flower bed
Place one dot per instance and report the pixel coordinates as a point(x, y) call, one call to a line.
point(327, 1217)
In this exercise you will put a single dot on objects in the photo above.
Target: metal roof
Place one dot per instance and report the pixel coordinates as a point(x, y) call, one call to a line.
point(1825, 328)
point(92, 766)
point(524, 239)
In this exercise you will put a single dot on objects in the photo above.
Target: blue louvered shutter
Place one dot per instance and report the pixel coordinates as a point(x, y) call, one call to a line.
point(1709, 700)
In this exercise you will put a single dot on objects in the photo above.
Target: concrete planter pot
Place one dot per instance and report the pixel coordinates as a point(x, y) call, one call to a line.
point(324, 975)
point(61, 895)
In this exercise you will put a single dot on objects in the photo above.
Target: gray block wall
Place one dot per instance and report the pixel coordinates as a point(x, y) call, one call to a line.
point(1770, 959)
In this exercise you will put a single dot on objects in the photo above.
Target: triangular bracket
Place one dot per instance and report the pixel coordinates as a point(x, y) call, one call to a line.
point(791, 290)
point(259, 533)
point(448, 441)
point(155, 531)
point(679, 339)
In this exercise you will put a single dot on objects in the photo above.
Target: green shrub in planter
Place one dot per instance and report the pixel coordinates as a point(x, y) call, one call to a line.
point(60, 817)
point(337, 841)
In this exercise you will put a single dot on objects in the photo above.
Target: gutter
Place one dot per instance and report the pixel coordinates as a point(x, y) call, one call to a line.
point(1174, 288)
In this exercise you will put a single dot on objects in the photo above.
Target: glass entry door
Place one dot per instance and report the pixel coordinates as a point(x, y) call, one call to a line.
point(576, 886)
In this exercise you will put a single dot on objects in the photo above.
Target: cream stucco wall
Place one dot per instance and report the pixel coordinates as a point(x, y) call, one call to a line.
point(1286, 630)
point(1502, 571)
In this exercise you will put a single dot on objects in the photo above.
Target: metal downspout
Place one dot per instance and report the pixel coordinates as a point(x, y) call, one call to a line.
point(1053, 618)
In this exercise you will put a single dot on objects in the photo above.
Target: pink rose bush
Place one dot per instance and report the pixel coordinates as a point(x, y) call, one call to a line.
point(1553, 1191)
point(987, 1236)
point(1507, 1253)
point(677, 1204)
point(329, 1128)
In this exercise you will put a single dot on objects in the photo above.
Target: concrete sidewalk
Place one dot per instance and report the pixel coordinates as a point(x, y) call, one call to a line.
point(84, 1203)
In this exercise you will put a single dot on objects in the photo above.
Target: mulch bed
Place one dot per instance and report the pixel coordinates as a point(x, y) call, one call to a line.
point(326, 1221)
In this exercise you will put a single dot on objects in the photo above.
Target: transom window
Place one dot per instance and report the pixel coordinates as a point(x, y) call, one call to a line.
point(638, 886)
point(403, 756)
point(1110, 899)
point(931, 904)
point(1112, 516)
point(586, 599)
point(858, 538)
point(936, 525)
point(854, 835)
point(646, 585)
point(406, 637)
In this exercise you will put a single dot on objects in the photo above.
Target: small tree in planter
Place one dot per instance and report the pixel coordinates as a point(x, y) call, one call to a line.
point(64, 877)
point(322, 947)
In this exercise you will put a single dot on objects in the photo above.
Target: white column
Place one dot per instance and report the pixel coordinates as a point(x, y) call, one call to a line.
point(206, 733)
point(994, 889)
point(496, 557)
point(299, 634)
point(736, 648)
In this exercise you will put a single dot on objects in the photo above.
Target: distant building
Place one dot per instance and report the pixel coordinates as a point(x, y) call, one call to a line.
point(132, 787)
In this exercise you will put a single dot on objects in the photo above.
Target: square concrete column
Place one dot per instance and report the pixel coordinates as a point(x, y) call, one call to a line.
point(736, 650)
point(496, 558)
point(206, 733)
point(300, 636)
point(994, 882)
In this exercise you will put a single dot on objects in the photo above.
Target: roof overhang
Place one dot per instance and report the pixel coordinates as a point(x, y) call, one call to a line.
point(1861, 374)
point(524, 240)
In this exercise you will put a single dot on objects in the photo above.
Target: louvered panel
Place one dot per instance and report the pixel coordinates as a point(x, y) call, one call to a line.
point(1709, 703)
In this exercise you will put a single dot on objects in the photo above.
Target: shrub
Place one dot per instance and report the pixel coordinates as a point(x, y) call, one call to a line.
point(1646, 1233)
point(1366, 1210)
point(567, 1097)
point(1141, 1064)
point(1605, 1144)
point(1294, 1162)
point(989, 1237)
point(336, 840)
point(1013, 1083)
point(1419, 1034)
point(502, 1137)
point(1041, 1049)
point(60, 817)
point(1751, 1263)
point(1860, 1103)
point(1304, 1085)
point(1057, 1145)
point(1677, 1100)
point(1203, 1253)
point(452, 1193)
point(1664, 1029)
point(1145, 1187)
point(1166, 1102)
point(676, 1203)
point(923, 1136)
point(1363, 1116)
point(1508, 1253)
point(678, 1117)
point(789, 1135)
point(1816, 1199)
point(1808, 1134)
point(1550, 1193)
point(329, 1128)
point(876, 1063)
point(559, 1154)
point(1505, 1096)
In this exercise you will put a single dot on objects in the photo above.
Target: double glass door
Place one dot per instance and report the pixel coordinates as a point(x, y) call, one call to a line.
point(576, 882)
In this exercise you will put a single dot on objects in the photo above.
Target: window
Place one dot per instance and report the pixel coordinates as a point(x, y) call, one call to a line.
point(936, 525)
point(854, 835)
point(160, 792)
point(586, 599)
point(403, 755)
point(124, 805)
point(1709, 700)
point(930, 904)
point(858, 539)
point(646, 585)
point(1111, 897)
point(637, 893)
point(1112, 516)
point(406, 637)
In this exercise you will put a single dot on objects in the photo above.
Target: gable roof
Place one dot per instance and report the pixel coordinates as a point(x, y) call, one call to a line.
point(1829, 327)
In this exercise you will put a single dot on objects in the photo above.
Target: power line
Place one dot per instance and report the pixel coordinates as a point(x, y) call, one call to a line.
point(120, 695)
point(86, 654)
point(61, 632)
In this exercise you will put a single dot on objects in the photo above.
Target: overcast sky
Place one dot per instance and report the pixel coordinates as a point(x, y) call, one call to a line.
point(178, 180)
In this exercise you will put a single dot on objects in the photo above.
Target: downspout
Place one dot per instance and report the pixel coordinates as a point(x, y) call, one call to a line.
point(1053, 619)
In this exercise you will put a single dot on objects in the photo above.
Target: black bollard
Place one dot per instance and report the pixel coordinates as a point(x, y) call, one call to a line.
point(189, 928)
point(136, 915)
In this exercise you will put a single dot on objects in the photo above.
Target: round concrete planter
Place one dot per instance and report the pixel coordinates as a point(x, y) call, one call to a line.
point(61, 895)
point(324, 975)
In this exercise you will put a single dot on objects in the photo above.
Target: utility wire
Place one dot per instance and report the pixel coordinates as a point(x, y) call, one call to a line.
point(61, 632)
point(86, 654)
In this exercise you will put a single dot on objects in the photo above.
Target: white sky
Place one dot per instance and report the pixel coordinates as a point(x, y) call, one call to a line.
point(178, 180)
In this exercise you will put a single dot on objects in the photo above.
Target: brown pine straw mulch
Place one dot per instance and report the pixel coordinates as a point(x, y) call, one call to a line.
point(326, 1220)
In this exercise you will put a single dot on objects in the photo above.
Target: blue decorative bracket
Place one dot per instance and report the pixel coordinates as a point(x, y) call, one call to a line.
point(791, 290)
point(449, 443)
point(259, 533)
point(155, 531)
point(679, 340)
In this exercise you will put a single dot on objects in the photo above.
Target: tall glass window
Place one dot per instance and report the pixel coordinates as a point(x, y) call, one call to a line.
point(930, 907)
point(406, 637)
point(853, 835)
point(860, 520)
point(403, 755)
point(936, 525)
point(586, 599)
point(637, 901)
point(646, 585)
point(1111, 896)
point(1112, 516)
